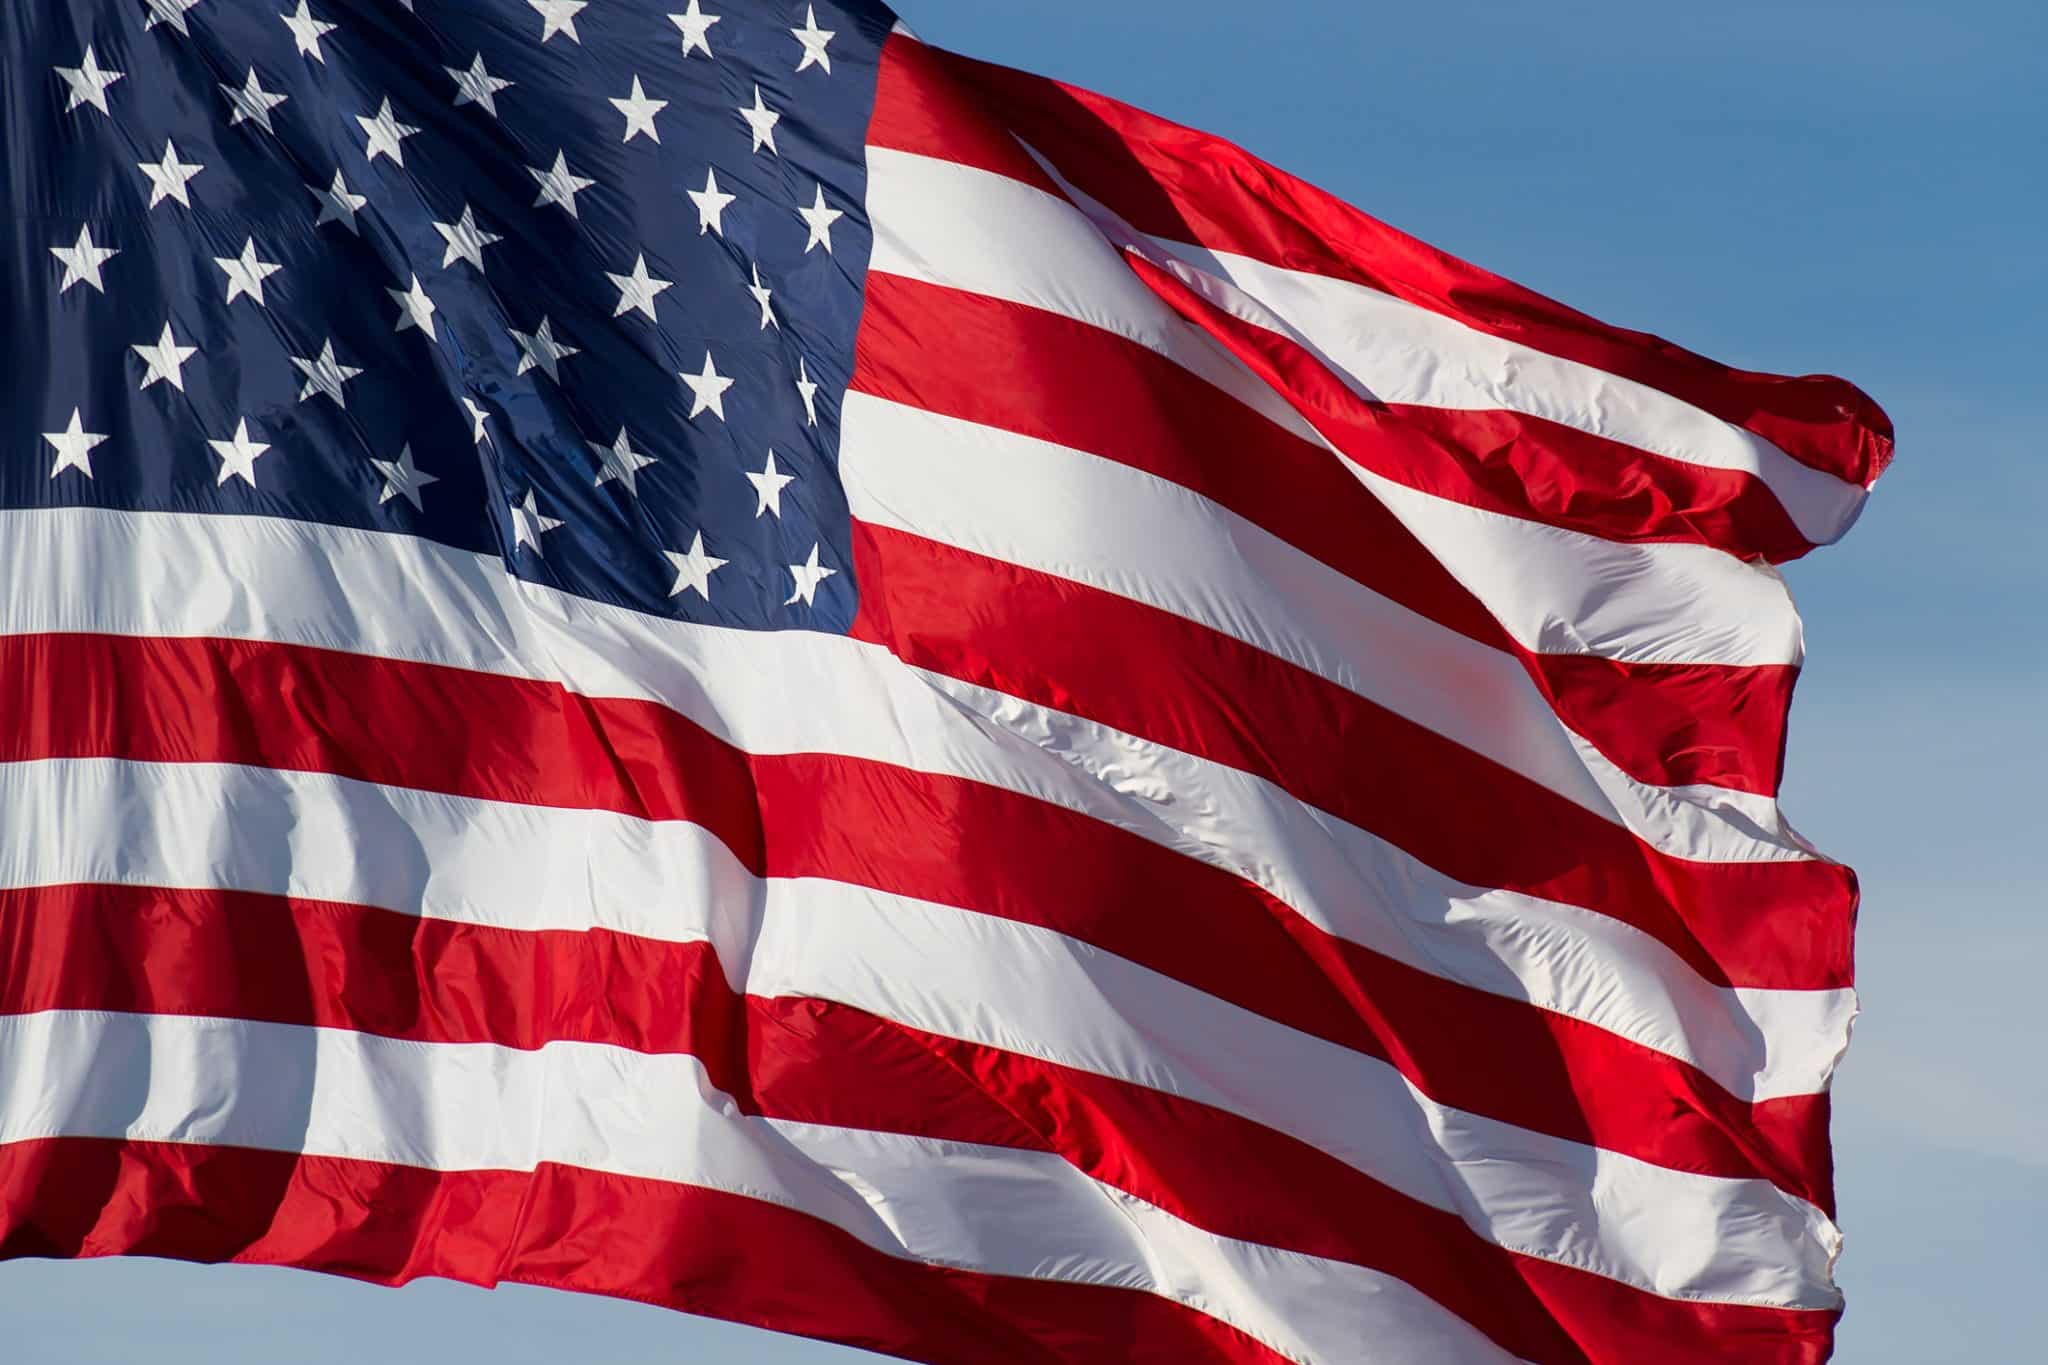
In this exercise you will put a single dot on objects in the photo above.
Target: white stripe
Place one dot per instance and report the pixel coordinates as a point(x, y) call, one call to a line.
point(1385, 348)
point(1064, 512)
point(1756, 1043)
point(1398, 352)
point(1559, 591)
point(293, 582)
point(963, 228)
point(1028, 990)
point(1027, 1213)
point(1564, 592)
point(975, 977)
point(1089, 283)
point(318, 837)
point(454, 1107)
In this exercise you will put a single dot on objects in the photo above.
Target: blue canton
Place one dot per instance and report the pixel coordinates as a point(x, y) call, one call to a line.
point(571, 282)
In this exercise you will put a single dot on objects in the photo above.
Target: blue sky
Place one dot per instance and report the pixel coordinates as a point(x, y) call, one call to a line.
point(1794, 186)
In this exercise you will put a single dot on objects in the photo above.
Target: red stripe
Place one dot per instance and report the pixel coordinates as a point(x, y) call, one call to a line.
point(1465, 1048)
point(923, 106)
point(1665, 724)
point(1778, 924)
point(1668, 725)
point(1185, 185)
point(1674, 725)
point(698, 1250)
point(1088, 389)
point(1540, 470)
point(338, 966)
point(1497, 460)
point(978, 847)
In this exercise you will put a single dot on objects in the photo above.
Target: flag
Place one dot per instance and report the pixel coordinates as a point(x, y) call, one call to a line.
point(699, 652)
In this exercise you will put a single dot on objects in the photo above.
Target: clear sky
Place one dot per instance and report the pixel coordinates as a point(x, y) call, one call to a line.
point(1857, 186)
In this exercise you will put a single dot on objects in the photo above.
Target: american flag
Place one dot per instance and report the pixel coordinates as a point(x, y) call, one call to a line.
point(699, 652)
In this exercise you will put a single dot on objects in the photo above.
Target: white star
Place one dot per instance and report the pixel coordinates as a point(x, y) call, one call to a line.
point(415, 309)
point(252, 103)
point(74, 447)
point(639, 289)
point(558, 185)
point(710, 202)
point(166, 360)
point(528, 525)
point(694, 569)
point(620, 461)
point(542, 351)
point(466, 241)
point(384, 135)
point(324, 374)
point(807, 391)
point(707, 389)
point(768, 486)
point(762, 293)
point(558, 16)
point(639, 111)
point(167, 177)
point(695, 24)
point(808, 576)
point(246, 273)
point(814, 39)
point(403, 478)
point(819, 219)
point(82, 261)
point(761, 121)
point(170, 12)
point(88, 83)
point(307, 32)
point(477, 416)
point(337, 205)
point(477, 86)
point(238, 455)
